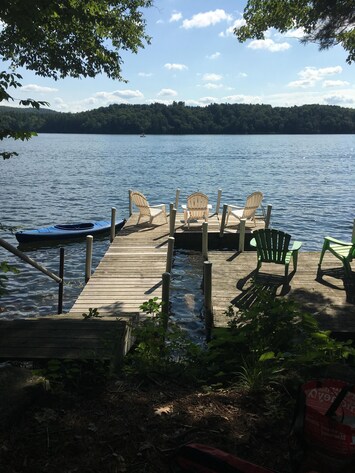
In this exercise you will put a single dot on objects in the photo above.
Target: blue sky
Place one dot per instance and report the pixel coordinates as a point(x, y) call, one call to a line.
point(195, 58)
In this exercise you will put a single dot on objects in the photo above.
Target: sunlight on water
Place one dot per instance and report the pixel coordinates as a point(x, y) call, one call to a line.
point(308, 179)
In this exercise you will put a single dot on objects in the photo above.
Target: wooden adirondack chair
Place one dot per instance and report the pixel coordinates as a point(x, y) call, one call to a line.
point(272, 246)
point(197, 207)
point(345, 252)
point(248, 212)
point(146, 210)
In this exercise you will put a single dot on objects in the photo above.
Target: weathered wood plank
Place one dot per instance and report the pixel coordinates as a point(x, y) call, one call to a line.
point(130, 272)
point(69, 338)
point(232, 284)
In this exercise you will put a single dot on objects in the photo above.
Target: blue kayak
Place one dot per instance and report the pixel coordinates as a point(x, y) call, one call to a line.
point(66, 231)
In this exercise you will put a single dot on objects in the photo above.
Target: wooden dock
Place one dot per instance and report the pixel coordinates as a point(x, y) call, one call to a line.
point(232, 284)
point(131, 272)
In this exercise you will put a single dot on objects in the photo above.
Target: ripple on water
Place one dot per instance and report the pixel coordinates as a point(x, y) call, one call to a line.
point(70, 178)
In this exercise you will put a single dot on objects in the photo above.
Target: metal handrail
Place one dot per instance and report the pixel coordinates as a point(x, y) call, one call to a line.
point(58, 279)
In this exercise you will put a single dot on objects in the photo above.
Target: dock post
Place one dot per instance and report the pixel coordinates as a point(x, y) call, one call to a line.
point(242, 234)
point(177, 195)
point(353, 233)
point(172, 218)
point(113, 224)
point(218, 201)
point(268, 215)
point(223, 221)
point(165, 299)
point(207, 283)
point(171, 206)
point(61, 284)
point(88, 260)
point(130, 202)
point(205, 241)
point(169, 256)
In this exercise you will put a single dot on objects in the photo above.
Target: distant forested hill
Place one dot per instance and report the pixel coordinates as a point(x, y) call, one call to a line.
point(181, 119)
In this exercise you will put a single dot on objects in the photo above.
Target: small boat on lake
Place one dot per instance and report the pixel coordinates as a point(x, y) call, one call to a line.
point(67, 231)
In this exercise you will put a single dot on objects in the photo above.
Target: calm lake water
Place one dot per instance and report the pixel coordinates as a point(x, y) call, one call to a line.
point(308, 179)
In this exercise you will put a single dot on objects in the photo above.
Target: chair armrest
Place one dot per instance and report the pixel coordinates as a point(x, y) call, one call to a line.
point(183, 206)
point(235, 207)
point(338, 242)
point(296, 245)
point(157, 205)
point(253, 242)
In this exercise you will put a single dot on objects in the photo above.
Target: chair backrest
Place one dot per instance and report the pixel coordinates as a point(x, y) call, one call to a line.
point(252, 204)
point(141, 202)
point(197, 204)
point(272, 245)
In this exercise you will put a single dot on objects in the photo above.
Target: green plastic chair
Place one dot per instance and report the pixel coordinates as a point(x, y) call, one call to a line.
point(272, 246)
point(341, 250)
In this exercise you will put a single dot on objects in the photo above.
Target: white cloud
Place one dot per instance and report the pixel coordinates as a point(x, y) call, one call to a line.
point(335, 83)
point(167, 93)
point(318, 74)
point(309, 76)
point(212, 77)
point(340, 100)
point(192, 103)
point(269, 45)
point(211, 85)
point(242, 99)
point(118, 96)
point(301, 84)
point(242, 74)
point(176, 16)
point(207, 100)
point(214, 55)
point(59, 104)
point(297, 33)
point(145, 74)
point(37, 89)
point(175, 67)
point(99, 99)
point(202, 20)
point(86, 104)
point(230, 30)
point(128, 94)
point(344, 97)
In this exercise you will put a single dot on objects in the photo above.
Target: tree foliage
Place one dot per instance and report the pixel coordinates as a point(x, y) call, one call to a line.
point(68, 38)
point(180, 119)
point(326, 22)
point(73, 38)
point(7, 80)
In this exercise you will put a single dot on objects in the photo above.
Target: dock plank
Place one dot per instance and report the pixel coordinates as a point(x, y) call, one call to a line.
point(131, 271)
point(232, 284)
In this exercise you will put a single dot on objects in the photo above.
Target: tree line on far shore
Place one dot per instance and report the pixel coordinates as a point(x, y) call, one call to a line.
point(179, 118)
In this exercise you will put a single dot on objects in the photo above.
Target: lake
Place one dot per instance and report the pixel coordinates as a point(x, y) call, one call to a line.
point(308, 179)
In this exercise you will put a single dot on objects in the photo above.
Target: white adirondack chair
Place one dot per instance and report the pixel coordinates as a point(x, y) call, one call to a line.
point(197, 207)
point(146, 210)
point(248, 212)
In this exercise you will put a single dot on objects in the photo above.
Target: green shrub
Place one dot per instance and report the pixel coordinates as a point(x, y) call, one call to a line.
point(272, 341)
point(162, 349)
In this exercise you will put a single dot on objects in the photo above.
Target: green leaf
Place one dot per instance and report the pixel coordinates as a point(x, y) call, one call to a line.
point(267, 356)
